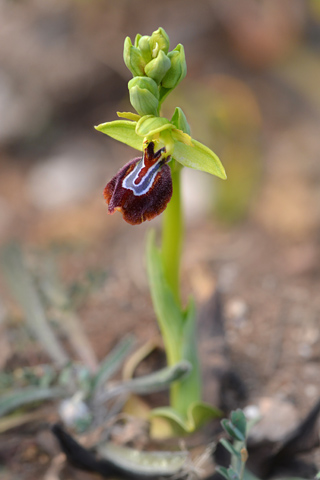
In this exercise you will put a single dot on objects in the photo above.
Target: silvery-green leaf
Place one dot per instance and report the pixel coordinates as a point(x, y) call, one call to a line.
point(143, 464)
point(19, 398)
point(112, 362)
point(154, 382)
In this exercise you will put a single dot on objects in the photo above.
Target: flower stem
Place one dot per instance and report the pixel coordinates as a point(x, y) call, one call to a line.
point(172, 235)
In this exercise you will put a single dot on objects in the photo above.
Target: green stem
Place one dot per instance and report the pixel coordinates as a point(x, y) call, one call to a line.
point(172, 235)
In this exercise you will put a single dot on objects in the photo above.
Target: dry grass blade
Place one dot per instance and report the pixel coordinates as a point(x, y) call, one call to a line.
point(23, 289)
point(68, 320)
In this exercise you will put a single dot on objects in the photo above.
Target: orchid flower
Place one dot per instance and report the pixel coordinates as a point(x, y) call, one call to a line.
point(149, 184)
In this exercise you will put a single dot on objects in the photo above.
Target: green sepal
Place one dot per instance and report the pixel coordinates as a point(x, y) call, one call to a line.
point(179, 120)
point(158, 67)
point(178, 69)
point(199, 157)
point(198, 414)
point(129, 116)
point(123, 131)
point(150, 125)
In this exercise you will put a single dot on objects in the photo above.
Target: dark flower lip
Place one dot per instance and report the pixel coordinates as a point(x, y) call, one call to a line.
point(142, 188)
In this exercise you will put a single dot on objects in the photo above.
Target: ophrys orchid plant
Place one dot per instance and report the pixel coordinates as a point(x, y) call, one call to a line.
point(149, 185)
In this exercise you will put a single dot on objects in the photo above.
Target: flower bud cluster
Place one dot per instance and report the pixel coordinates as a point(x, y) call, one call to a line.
point(156, 71)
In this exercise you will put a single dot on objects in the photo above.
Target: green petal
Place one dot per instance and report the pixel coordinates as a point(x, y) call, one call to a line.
point(129, 116)
point(179, 120)
point(150, 125)
point(123, 131)
point(199, 157)
point(180, 136)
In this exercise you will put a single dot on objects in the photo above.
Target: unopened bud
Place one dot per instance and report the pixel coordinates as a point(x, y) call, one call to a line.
point(178, 69)
point(144, 47)
point(144, 95)
point(158, 67)
point(159, 40)
point(133, 58)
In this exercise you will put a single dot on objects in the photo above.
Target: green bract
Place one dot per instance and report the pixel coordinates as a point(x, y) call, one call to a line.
point(187, 151)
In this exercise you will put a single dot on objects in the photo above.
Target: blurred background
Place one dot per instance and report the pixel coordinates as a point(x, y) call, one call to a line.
point(252, 94)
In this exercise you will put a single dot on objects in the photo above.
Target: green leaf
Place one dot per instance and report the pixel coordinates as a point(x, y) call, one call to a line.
point(123, 131)
point(168, 312)
point(232, 474)
point(112, 362)
point(238, 419)
point(150, 125)
point(198, 414)
point(154, 382)
point(233, 431)
point(199, 157)
point(223, 471)
point(143, 464)
point(227, 445)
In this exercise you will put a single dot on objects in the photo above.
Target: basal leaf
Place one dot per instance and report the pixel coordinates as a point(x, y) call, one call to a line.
point(199, 157)
point(198, 414)
point(139, 464)
point(25, 396)
point(123, 131)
